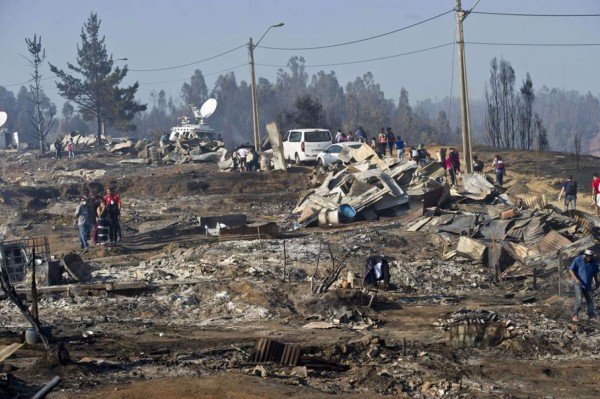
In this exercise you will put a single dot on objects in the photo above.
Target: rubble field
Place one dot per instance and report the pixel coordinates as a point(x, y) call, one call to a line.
point(477, 306)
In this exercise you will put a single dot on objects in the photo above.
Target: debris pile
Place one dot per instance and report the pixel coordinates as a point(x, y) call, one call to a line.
point(530, 235)
point(193, 149)
point(370, 187)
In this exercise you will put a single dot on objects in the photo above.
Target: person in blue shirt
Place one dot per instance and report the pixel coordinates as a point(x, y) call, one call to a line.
point(400, 149)
point(583, 269)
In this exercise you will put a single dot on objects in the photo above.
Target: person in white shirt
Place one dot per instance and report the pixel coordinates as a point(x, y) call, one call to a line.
point(242, 154)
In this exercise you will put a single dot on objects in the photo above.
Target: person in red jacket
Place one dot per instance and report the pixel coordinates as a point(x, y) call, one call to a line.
point(596, 193)
point(110, 194)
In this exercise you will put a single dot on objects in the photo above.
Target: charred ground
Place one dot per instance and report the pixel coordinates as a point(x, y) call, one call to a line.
point(192, 329)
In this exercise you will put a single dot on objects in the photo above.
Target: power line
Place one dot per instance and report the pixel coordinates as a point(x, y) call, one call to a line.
point(366, 60)
point(28, 81)
point(183, 80)
point(188, 64)
point(507, 14)
point(472, 8)
point(536, 44)
point(146, 83)
point(359, 40)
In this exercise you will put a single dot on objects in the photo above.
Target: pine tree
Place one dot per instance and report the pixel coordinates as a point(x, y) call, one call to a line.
point(97, 91)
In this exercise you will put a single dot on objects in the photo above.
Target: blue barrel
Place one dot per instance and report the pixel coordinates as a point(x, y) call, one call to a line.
point(347, 211)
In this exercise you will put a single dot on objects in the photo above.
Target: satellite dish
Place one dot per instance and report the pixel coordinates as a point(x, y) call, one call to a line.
point(208, 108)
point(4, 117)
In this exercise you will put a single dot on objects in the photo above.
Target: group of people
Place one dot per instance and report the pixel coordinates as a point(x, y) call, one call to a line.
point(58, 148)
point(246, 159)
point(98, 219)
point(385, 141)
point(584, 268)
point(569, 190)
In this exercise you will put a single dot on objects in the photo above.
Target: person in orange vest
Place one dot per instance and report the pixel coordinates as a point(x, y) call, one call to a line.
point(382, 141)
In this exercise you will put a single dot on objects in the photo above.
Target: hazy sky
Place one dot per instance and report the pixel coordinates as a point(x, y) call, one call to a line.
point(158, 34)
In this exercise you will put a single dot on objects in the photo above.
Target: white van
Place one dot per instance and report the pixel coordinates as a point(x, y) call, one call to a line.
point(301, 145)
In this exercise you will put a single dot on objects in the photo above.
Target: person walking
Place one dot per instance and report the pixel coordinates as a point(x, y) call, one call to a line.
point(500, 170)
point(71, 148)
point(569, 189)
point(477, 164)
point(93, 203)
point(242, 154)
point(382, 142)
point(82, 222)
point(391, 139)
point(422, 155)
point(58, 148)
point(252, 161)
point(583, 270)
point(596, 193)
point(450, 170)
point(112, 213)
point(360, 135)
point(164, 140)
point(338, 136)
point(102, 229)
point(400, 149)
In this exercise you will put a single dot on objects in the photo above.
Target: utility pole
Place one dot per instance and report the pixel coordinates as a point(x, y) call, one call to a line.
point(251, 48)
point(464, 93)
point(254, 103)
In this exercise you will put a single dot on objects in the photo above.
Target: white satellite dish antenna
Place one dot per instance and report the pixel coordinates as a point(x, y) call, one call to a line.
point(205, 111)
point(4, 117)
point(208, 108)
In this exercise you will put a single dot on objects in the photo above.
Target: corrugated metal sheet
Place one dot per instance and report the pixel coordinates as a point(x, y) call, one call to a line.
point(534, 231)
point(537, 201)
point(358, 188)
point(519, 252)
point(584, 225)
point(495, 230)
point(432, 170)
point(552, 243)
point(268, 350)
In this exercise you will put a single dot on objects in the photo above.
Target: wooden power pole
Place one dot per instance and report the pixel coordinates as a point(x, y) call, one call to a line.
point(464, 92)
point(256, 134)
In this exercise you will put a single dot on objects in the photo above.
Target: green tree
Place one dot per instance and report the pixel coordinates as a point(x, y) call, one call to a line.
point(326, 89)
point(195, 92)
point(8, 104)
point(366, 104)
point(24, 108)
point(404, 117)
point(42, 117)
point(97, 91)
point(157, 118)
point(233, 119)
point(290, 85)
point(309, 113)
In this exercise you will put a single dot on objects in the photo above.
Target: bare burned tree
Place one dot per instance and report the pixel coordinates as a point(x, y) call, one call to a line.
point(539, 131)
point(42, 117)
point(577, 148)
point(492, 97)
point(509, 117)
point(525, 123)
point(506, 78)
